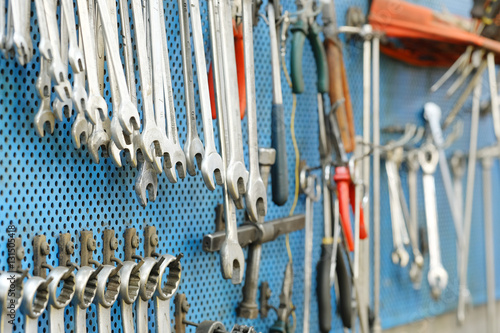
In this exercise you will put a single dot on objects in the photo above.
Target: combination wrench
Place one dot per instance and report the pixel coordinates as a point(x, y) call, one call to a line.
point(34, 302)
point(10, 299)
point(211, 166)
point(193, 148)
point(236, 172)
point(256, 194)
point(174, 158)
point(428, 157)
point(59, 298)
point(165, 290)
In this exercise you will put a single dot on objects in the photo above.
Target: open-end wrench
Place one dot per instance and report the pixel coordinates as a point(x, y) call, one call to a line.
point(248, 306)
point(211, 166)
point(432, 113)
point(128, 115)
point(85, 291)
point(150, 274)
point(129, 290)
point(96, 106)
point(174, 158)
point(399, 255)
point(81, 128)
point(57, 70)
point(236, 172)
point(413, 166)
point(151, 134)
point(428, 157)
point(108, 286)
point(75, 55)
point(312, 190)
point(165, 290)
point(44, 114)
point(21, 38)
point(34, 302)
point(9, 41)
point(64, 106)
point(256, 194)
point(146, 183)
point(44, 45)
point(11, 293)
point(193, 148)
point(2, 24)
point(59, 297)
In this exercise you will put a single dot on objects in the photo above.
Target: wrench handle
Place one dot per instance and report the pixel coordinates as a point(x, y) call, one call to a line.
point(323, 287)
point(30, 325)
point(80, 319)
point(142, 315)
point(343, 180)
point(362, 229)
point(103, 318)
point(280, 168)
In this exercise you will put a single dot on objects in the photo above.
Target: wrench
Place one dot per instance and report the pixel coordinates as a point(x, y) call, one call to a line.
point(44, 114)
point(21, 37)
point(75, 55)
point(236, 172)
point(2, 24)
point(85, 291)
point(211, 166)
point(9, 42)
point(150, 274)
point(146, 180)
point(256, 194)
point(174, 155)
point(399, 255)
point(66, 105)
point(10, 299)
point(193, 148)
point(165, 291)
point(413, 166)
point(432, 114)
point(108, 286)
point(34, 302)
point(248, 306)
point(59, 298)
point(312, 190)
point(428, 157)
point(129, 290)
point(44, 45)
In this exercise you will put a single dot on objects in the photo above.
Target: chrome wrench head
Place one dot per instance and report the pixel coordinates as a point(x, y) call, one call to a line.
point(193, 150)
point(11, 293)
point(166, 289)
point(44, 116)
point(211, 168)
point(130, 282)
point(236, 178)
point(146, 183)
point(108, 286)
point(438, 280)
point(97, 140)
point(59, 298)
point(149, 275)
point(231, 255)
point(174, 158)
point(256, 198)
point(35, 297)
point(85, 287)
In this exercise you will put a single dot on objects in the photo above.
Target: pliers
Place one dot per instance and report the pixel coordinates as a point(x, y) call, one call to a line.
point(306, 25)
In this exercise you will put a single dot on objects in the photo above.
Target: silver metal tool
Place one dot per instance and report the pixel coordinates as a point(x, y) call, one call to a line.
point(34, 302)
point(108, 286)
point(59, 297)
point(149, 276)
point(2, 24)
point(44, 46)
point(469, 196)
point(432, 114)
point(211, 166)
point(165, 290)
point(129, 290)
point(437, 276)
point(44, 114)
point(475, 62)
point(256, 193)
point(75, 55)
point(21, 21)
point(193, 148)
point(312, 190)
point(495, 107)
point(174, 158)
point(85, 291)
point(64, 106)
point(11, 293)
point(236, 172)
point(248, 306)
point(413, 166)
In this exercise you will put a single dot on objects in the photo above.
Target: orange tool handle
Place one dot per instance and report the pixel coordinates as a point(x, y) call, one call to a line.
point(343, 180)
point(240, 71)
point(352, 198)
point(337, 93)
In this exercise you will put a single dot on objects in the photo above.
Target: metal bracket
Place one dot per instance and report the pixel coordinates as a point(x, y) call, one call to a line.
point(87, 247)
point(109, 245)
point(40, 251)
point(181, 309)
point(131, 243)
point(150, 241)
point(16, 254)
point(66, 249)
point(265, 295)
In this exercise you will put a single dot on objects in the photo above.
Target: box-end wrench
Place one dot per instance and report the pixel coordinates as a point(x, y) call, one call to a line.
point(59, 297)
point(248, 306)
point(193, 148)
point(96, 105)
point(165, 290)
point(174, 158)
point(85, 291)
point(211, 166)
point(236, 172)
point(11, 293)
point(108, 286)
point(21, 37)
point(34, 302)
point(428, 157)
point(256, 194)
point(129, 291)
point(150, 273)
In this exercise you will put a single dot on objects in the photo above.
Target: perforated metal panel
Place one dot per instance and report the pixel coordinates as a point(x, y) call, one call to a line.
point(47, 187)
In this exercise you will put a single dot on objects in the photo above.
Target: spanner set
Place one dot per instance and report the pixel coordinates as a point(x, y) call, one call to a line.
point(318, 194)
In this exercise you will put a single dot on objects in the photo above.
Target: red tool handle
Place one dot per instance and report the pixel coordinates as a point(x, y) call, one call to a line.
point(352, 196)
point(212, 91)
point(343, 180)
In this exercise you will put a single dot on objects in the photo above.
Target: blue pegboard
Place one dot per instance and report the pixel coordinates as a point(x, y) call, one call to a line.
point(47, 187)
